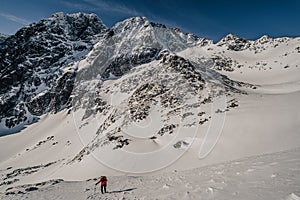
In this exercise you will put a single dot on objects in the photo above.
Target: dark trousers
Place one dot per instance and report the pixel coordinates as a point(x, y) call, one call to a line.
point(103, 187)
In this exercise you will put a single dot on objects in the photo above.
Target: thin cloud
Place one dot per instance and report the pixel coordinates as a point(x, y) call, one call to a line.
point(15, 18)
point(113, 7)
point(79, 6)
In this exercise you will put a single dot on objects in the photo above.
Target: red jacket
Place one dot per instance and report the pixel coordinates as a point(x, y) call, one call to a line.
point(103, 181)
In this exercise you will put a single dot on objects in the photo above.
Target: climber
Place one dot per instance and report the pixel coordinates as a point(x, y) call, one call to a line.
point(103, 181)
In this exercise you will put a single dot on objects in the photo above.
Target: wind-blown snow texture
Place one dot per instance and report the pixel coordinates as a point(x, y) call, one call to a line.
point(272, 176)
point(140, 97)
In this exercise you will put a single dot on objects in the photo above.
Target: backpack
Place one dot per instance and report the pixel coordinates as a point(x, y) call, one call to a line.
point(103, 178)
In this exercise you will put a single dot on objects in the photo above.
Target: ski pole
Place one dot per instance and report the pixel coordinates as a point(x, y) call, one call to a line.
point(94, 193)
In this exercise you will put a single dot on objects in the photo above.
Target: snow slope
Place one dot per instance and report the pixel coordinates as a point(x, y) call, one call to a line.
point(266, 61)
point(269, 176)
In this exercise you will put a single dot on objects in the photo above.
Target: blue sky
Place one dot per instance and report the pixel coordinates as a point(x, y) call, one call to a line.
point(206, 18)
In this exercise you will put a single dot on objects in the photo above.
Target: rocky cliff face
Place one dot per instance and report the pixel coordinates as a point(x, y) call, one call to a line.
point(32, 63)
point(133, 42)
point(62, 62)
point(2, 38)
point(38, 64)
point(169, 89)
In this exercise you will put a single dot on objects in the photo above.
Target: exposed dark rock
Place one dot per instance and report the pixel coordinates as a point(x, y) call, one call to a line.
point(122, 64)
point(25, 171)
point(234, 43)
point(142, 98)
point(109, 34)
point(221, 63)
point(121, 143)
point(56, 98)
point(3, 37)
point(30, 189)
point(183, 67)
point(202, 121)
point(180, 144)
point(30, 62)
point(167, 129)
point(9, 193)
point(153, 24)
point(9, 182)
point(10, 188)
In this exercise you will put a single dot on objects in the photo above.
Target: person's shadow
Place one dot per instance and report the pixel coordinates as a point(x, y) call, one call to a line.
point(125, 190)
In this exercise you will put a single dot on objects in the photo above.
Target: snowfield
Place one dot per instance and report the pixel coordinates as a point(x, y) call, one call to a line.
point(163, 114)
point(269, 176)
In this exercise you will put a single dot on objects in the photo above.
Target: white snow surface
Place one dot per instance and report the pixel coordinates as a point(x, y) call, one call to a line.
point(269, 176)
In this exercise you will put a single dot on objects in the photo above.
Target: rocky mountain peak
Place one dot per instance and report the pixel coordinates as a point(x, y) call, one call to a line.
point(230, 37)
point(132, 42)
point(263, 39)
point(136, 23)
point(31, 62)
point(76, 26)
point(156, 31)
point(234, 43)
point(60, 17)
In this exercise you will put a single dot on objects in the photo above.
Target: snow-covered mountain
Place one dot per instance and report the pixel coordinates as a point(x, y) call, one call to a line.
point(139, 97)
point(132, 42)
point(32, 62)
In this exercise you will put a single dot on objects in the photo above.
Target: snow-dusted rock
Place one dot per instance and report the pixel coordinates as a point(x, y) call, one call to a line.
point(31, 63)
